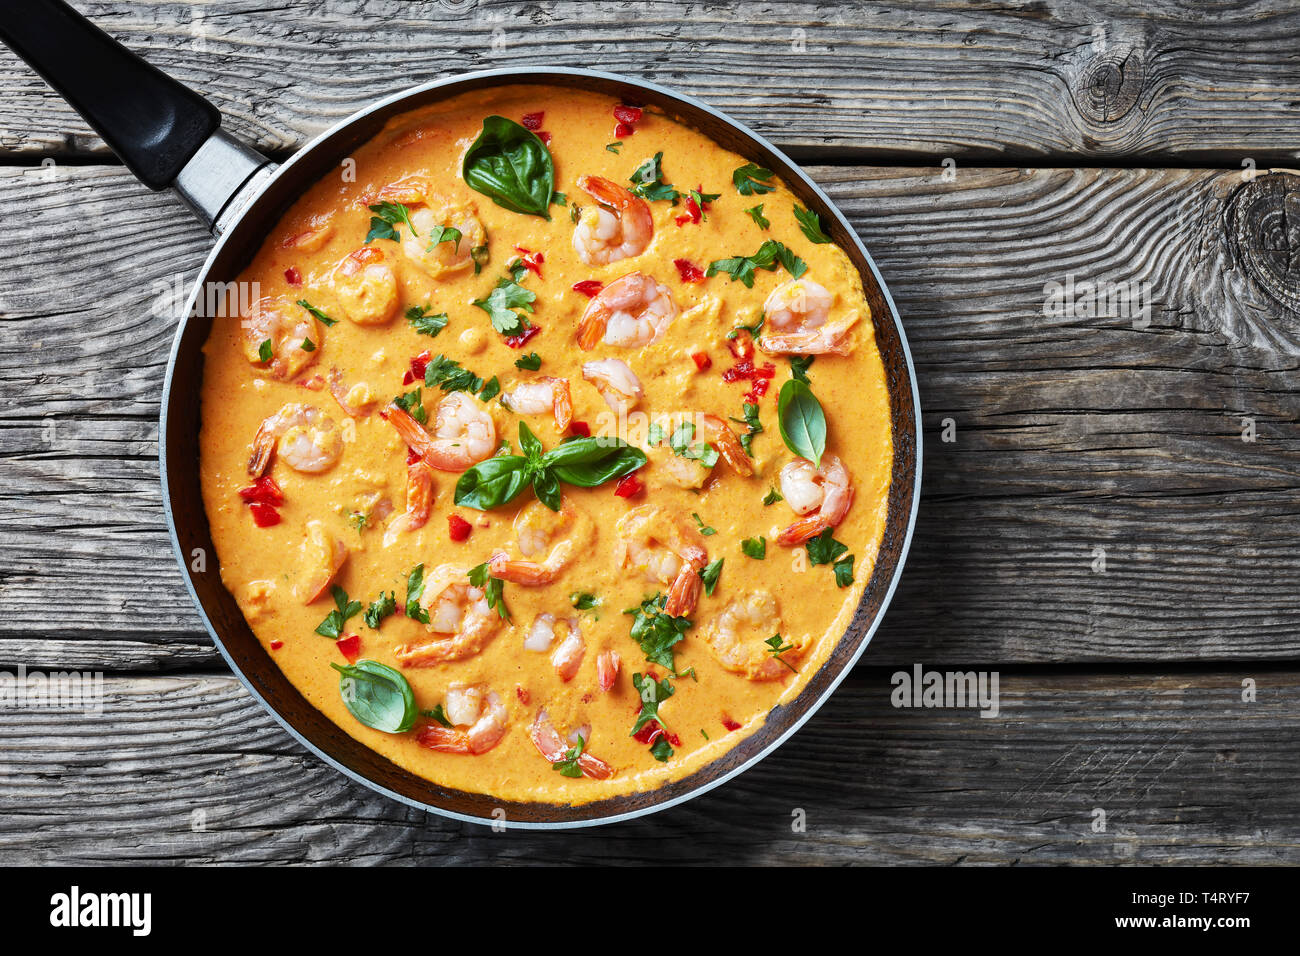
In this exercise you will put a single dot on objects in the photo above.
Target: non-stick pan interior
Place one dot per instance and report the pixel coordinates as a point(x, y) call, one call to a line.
point(226, 621)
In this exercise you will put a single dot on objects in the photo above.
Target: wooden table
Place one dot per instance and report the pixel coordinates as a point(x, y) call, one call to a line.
point(1111, 504)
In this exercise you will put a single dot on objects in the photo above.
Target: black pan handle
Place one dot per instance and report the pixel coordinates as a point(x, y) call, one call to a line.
point(153, 123)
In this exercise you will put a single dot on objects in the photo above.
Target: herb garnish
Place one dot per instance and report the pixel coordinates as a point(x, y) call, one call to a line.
point(811, 224)
point(265, 351)
point(332, 626)
point(682, 442)
point(658, 632)
point(493, 589)
point(653, 693)
point(436, 713)
point(755, 548)
point(507, 296)
point(570, 766)
point(799, 365)
point(752, 180)
point(511, 166)
point(379, 609)
point(704, 529)
point(413, 404)
point(710, 574)
point(424, 323)
point(316, 312)
point(450, 377)
point(751, 422)
point(772, 497)
point(440, 234)
point(386, 216)
point(529, 363)
point(584, 600)
point(648, 181)
point(377, 695)
point(777, 648)
point(584, 462)
point(756, 213)
point(414, 589)
point(801, 420)
point(769, 255)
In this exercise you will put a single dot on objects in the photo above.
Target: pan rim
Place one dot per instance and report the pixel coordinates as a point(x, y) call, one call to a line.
point(537, 74)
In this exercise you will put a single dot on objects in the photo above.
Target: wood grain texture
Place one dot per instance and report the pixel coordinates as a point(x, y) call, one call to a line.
point(1164, 83)
point(1070, 433)
point(191, 769)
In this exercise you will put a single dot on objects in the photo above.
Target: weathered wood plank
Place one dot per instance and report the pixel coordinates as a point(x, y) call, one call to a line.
point(1167, 82)
point(190, 769)
point(1071, 433)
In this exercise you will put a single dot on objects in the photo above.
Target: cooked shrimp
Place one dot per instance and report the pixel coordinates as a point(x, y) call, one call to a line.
point(797, 314)
point(322, 555)
point(432, 216)
point(567, 655)
point(617, 383)
point(619, 226)
point(551, 745)
point(305, 438)
point(628, 313)
point(607, 665)
point(822, 494)
point(546, 394)
point(357, 401)
point(693, 472)
point(738, 637)
point(458, 613)
point(566, 533)
point(719, 434)
point(479, 721)
point(366, 287)
point(667, 548)
point(278, 326)
point(463, 434)
point(313, 238)
point(419, 499)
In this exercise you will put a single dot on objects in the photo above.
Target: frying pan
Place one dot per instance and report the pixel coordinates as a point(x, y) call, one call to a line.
point(170, 137)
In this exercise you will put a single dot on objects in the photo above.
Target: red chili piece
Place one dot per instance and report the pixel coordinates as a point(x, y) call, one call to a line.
point(517, 341)
point(458, 528)
point(533, 121)
point(532, 260)
point(580, 428)
point(729, 723)
point(589, 287)
point(293, 276)
point(702, 361)
point(264, 516)
point(688, 270)
point(350, 647)
point(263, 491)
point(629, 486)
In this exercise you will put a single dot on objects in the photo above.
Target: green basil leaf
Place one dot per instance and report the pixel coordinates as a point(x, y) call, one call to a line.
point(377, 695)
point(529, 443)
point(588, 462)
point(512, 167)
point(547, 488)
point(492, 482)
point(802, 422)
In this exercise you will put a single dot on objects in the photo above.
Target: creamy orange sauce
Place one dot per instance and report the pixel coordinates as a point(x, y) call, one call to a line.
point(268, 569)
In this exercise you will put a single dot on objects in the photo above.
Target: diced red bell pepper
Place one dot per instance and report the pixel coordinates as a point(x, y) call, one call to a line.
point(517, 341)
point(693, 212)
point(544, 136)
point(623, 131)
point(263, 491)
point(293, 276)
point(629, 486)
point(532, 260)
point(688, 270)
point(729, 723)
point(627, 114)
point(264, 516)
point(702, 361)
point(276, 645)
point(580, 428)
point(652, 731)
point(533, 121)
point(458, 528)
point(522, 693)
point(589, 287)
point(349, 646)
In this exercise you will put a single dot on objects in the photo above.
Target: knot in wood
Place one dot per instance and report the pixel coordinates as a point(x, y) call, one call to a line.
point(1263, 223)
point(1110, 85)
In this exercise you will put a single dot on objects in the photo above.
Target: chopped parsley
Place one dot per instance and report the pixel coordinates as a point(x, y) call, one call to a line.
point(439, 234)
point(704, 529)
point(753, 180)
point(265, 352)
point(584, 600)
point(712, 571)
point(359, 520)
point(755, 548)
point(751, 422)
point(436, 713)
point(661, 750)
point(493, 589)
point(332, 626)
point(756, 213)
point(657, 632)
point(424, 323)
point(386, 216)
point(529, 363)
point(753, 330)
point(777, 648)
point(824, 549)
point(570, 765)
point(648, 181)
point(415, 588)
point(769, 255)
point(682, 441)
point(490, 390)
point(653, 693)
point(413, 404)
point(772, 497)
point(811, 225)
point(843, 571)
point(614, 147)
point(379, 609)
point(316, 312)
point(308, 345)
point(507, 296)
point(450, 377)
